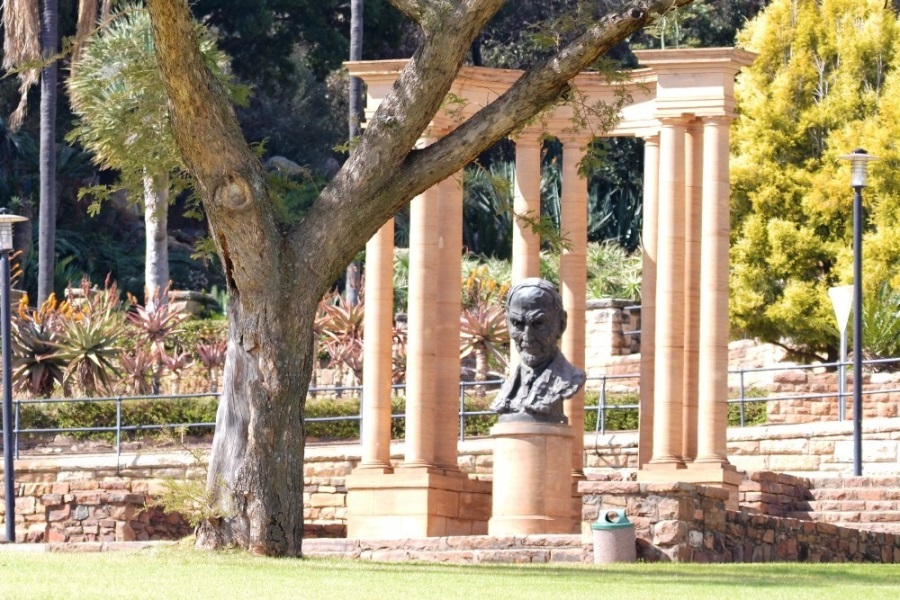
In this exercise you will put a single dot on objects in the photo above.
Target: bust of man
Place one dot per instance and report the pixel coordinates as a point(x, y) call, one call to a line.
point(537, 386)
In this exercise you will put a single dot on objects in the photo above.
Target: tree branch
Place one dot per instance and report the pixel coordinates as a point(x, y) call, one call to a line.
point(390, 135)
point(372, 186)
point(229, 177)
point(414, 9)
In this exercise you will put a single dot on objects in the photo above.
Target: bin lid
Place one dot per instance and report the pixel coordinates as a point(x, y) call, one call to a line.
point(612, 519)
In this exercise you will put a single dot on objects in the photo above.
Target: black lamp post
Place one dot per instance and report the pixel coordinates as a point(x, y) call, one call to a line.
point(6, 245)
point(859, 171)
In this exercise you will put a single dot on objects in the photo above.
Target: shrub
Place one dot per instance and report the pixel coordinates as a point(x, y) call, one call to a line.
point(755, 411)
point(616, 419)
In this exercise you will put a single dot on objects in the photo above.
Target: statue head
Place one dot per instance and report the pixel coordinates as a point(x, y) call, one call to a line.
point(536, 320)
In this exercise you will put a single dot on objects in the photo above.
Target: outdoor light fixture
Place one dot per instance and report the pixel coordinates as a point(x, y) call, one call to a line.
point(859, 169)
point(6, 245)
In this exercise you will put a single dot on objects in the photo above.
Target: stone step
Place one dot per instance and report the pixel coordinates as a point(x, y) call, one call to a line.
point(847, 505)
point(874, 518)
point(856, 493)
point(875, 481)
point(458, 549)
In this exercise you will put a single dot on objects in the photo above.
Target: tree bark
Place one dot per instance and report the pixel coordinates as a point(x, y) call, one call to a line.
point(47, 157)
point(156, 257)
point(276, 273)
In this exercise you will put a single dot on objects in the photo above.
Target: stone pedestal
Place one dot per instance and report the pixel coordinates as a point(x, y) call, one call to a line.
point(415, 503)
point(532, 490)
point(723, 476)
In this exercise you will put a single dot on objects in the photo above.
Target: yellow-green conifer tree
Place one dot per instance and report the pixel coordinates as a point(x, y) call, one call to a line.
point(825, 83)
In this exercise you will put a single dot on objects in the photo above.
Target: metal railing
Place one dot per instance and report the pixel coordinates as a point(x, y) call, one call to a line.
point(604, 385)
point(840, 396)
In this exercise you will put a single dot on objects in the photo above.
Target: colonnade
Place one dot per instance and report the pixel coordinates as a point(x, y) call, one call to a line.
point(682, 106)
point(684, 386)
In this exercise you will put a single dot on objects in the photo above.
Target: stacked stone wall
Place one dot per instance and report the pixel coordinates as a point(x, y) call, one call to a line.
point(686, 523)
point(799, 449)
point(881, 396)
point(92, 511)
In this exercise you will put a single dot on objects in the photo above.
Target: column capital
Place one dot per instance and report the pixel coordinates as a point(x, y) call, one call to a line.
point(652, 140)
point(717, 120)
point(680, 120)
point(529, 137)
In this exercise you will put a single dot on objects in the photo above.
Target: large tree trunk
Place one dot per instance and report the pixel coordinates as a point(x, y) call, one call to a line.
point(256, 466)
point(47, 222)
point(156, 220)
point(277, 272)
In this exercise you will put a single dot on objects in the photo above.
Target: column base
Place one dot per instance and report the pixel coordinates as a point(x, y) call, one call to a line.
point(415, 502)
point(717, 474)
point(532, 488)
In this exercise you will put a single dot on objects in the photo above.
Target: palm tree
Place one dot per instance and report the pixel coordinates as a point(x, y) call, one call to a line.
point(120, 100)
point(30, 37)
point(47, 207)
point(356, 112)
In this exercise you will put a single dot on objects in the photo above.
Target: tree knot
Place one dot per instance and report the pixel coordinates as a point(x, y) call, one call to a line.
point(235, 194)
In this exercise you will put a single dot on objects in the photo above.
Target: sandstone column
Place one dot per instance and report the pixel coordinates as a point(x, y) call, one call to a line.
point(693, 164)
point(421, 345)
point(376, 417)
point(526, 244)
point(448, 305)
point(573, 282)
point(648, 295)
point(669, 350)
point(714, 300)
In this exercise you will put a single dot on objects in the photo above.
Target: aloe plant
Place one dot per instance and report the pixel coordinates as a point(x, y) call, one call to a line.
point(35, 333)
point(342, 326)
point(158, 320)
point(89, 345)
point(139, 369)
point(484, 334)
point(212, 356)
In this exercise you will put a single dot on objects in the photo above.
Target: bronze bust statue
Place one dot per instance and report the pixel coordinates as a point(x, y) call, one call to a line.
point(537, 386)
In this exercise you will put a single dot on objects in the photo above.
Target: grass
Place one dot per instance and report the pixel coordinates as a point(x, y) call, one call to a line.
point(179, 572)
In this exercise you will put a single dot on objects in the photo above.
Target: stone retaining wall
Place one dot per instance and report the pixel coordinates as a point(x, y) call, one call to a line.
point(686, 523)
point(93, 511)
point(798, 449)
point(881, 397)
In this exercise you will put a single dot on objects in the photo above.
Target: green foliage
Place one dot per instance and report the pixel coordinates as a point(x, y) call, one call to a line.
point(755, 407)
point(613, 272)
point(401, 279)
point(102, 413)
point(615, 419)
point(825, 82)
point(118, 94)
point(487, 209)
point(881, 323)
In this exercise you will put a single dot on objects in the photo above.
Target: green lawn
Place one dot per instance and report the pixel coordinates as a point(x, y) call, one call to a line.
point(185, 573)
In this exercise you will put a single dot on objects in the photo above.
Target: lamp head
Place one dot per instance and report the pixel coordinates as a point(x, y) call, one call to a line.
point(859, 166)
point(6, 224)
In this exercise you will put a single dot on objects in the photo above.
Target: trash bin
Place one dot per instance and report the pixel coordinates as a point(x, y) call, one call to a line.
point(614, 537)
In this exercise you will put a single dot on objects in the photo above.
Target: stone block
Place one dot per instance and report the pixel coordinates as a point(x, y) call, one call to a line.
point(794, 463)
point(784, 446)
point(668, 533)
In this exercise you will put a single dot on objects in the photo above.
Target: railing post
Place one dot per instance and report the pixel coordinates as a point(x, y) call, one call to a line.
point(741, 405)
point(118, 432)
point(16, 429)
point(601, 406)
point(462, 411)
